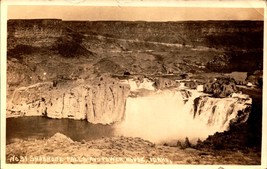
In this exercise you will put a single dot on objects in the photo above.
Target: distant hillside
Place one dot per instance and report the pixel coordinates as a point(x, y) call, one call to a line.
point(218, 34)
point(154, 48)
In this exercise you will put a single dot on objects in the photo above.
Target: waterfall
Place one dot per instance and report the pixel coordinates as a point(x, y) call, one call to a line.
point(172, 115)
point(216, 113)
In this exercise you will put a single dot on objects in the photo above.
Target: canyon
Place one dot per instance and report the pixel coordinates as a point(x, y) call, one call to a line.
point(136, 108)
point(160, 81)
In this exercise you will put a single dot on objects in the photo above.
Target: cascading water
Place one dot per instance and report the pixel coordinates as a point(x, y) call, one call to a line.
point(217, 113)
point(137, 84)
point(173, 114)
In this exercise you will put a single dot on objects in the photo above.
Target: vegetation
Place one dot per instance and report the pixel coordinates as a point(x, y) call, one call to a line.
point(71, 46)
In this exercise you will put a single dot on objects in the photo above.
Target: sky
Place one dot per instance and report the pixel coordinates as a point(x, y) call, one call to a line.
point(133, 13)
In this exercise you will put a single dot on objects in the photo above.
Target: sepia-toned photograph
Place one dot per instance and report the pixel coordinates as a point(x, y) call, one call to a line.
point(134, 85)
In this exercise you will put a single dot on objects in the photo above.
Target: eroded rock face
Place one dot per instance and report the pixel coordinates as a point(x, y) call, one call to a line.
point(220, 88)
point(162, 83)
point(105, 103)
point(102, 102)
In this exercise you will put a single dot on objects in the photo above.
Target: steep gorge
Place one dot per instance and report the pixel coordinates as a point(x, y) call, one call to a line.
point(136, 108)
point(44, 52)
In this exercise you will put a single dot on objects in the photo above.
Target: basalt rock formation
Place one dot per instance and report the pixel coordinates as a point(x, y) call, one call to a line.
point(222, 87)
point(150, 47)
point(101, 102)
point(256, 78)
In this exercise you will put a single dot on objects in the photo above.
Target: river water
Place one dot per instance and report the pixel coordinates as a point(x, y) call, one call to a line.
point(42, 127)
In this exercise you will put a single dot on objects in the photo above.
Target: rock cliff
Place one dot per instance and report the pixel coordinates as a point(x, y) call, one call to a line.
point(204, 33)
point(102, 102)
point(35, 32)
point(150, 48)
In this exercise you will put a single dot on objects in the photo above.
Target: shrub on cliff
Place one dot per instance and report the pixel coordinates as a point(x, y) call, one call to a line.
point(185, 144)
point(71, 49)
point(234, 139)
point(220, 87)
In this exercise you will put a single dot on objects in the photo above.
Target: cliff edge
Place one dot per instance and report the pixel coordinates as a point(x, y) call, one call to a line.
point(102, 101)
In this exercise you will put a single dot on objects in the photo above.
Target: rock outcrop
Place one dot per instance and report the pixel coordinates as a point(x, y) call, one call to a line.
point(255, 78)
point(102, 102)
point(219, 63)
point(162, 83)
point(60, 138)
point(106, 102)
point(220, 87)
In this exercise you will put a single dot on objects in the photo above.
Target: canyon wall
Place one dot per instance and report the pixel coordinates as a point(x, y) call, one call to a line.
point(203, 33)
point(34, 32)
point(203, 41)
point(102, 103)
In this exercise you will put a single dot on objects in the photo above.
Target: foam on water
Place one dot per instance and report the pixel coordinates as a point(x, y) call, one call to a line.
point(170, 115)
point(137, 84)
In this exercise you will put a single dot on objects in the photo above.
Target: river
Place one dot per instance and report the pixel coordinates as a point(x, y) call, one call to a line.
point(41, 127)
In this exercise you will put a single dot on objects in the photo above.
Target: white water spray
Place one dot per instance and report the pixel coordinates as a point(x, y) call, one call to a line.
point(170, 115)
